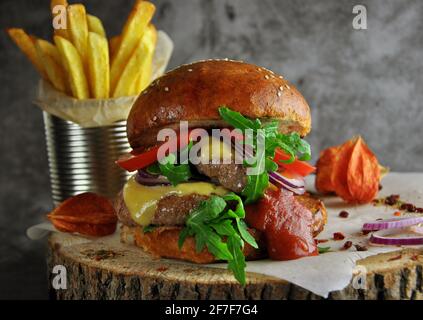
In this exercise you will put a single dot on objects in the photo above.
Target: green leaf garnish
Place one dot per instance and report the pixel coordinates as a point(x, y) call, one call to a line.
point(323, 249)
point(291, 144)
point(217, 223)
point(174, 173)
point(237, 120)
point(237, 264)
point(256, 185)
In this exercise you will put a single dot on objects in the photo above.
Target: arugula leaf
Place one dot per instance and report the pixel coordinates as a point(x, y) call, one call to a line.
point(175, 173)
point(208, 210)
point(242, 227)
point(323, 249)
point(215, 225)
point(271, 128)
point(224, 228)
point(237, 264)
point(271, 165)
point(239, 211)
point(256, 185)
point(204, 235)
point(237, 120)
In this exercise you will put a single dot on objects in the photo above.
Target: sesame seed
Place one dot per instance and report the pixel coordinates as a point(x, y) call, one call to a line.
point(281, 77)
point(288, 87)
point(155, 118)
point(226, 59)
point(266, 77)
point(189, 70)
point(166, 89)
point(279, 93)
point(281, 88)
point(258, 69)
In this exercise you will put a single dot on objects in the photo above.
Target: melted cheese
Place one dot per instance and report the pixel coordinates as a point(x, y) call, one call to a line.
point(141, 201)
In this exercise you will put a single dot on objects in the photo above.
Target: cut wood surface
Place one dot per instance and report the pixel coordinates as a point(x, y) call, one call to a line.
point(108, 269)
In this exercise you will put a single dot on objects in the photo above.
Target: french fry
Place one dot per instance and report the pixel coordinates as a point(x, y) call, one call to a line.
point(133, 31)
point(48, 48)
point(54, 70)
point(134, 69)
point(57, 19)
point(78, 29)
point(27, 46)
point(144, 79)
point(74, 67)
point(114, 44)
point(98, 66)
point(95, 25)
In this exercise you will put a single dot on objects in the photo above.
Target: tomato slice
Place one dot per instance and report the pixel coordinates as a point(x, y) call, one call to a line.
point(299, 167)
point(132, 161)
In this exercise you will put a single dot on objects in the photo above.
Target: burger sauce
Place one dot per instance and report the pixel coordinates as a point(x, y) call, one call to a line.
point(286, 224)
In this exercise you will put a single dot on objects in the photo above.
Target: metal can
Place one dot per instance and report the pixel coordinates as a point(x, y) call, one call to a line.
point(83, 159)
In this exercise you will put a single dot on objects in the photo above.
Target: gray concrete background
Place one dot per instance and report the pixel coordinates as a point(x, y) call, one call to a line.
point(356, 82)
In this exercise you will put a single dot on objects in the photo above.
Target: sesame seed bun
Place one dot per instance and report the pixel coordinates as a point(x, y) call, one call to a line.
point(195, 92)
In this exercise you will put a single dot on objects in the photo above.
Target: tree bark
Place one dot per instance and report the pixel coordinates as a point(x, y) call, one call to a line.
point(107, 269)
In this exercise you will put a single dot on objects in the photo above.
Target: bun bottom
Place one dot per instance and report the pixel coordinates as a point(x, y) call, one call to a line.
point(162, 242)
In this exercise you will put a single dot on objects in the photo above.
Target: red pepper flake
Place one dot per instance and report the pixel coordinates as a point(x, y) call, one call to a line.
point(392, 199)
point(380, 187)
point(321, 240)
point(397, 214)
point(415, 257)
point(344, 214)
point(419, 210)
point(347, 245)
point(408, 207)
point(366, 232)
point(360, 248)
point(337, 236)
point(395, 258)
point(162, 269)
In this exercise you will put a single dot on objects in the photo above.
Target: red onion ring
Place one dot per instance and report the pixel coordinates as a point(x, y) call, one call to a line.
point(388, 237)
point(292, 183)
point(394, 223)
point(280, 184)
point(148, 179)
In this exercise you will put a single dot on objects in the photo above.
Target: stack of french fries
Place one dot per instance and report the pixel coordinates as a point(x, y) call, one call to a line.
point(82, 63)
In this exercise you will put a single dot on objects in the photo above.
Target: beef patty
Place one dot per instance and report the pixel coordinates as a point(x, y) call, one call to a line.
point(172, 210)
point(231, 176)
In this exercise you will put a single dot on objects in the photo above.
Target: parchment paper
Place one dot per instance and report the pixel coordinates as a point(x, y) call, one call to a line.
point(97, 113)
point(331, 271)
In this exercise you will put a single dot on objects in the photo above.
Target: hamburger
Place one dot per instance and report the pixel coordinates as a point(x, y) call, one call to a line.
point(220, 208)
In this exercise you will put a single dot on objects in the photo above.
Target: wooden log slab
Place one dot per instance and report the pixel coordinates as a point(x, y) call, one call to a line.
point(107, 269)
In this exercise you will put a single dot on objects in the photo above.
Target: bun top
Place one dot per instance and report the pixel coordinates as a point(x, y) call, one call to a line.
point(195, 92)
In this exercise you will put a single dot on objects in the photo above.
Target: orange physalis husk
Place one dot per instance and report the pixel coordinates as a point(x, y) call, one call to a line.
point(351, 170)
point(87, 214)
